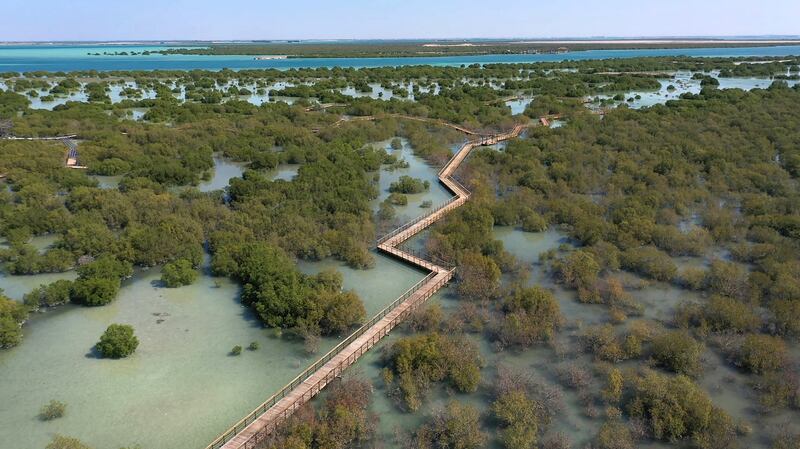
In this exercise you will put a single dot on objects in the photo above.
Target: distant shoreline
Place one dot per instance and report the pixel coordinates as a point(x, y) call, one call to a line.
point(661, 41)
point(403, 49)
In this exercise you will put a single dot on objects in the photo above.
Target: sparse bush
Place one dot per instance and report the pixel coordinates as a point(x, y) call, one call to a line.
point(62, 442)
point(416, 361)
point(786, 316)
point(649, 261)
point(675, 408)
point(407, 184)
point(53, 410)
point(760, 354)
point(178, 273)
point(678, 351)
point(458, 426)
point(118, 341)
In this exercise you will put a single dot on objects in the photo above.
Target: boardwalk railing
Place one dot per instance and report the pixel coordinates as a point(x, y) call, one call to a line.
point(254, 441)
point(427, 215)
point(253, 429)
point(261, 409)
point(70, 136)
point(424, 255)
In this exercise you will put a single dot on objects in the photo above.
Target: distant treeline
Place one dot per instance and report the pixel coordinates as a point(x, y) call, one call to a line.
point(417, 49)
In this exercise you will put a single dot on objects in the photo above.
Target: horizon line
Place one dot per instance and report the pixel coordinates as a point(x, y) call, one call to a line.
point(733, 38)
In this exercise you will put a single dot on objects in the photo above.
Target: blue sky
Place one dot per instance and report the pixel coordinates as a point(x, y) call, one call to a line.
point(391, 19)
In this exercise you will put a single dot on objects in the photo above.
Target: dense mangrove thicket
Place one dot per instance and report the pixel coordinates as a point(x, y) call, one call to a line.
point(151, 219)
point(713, 176)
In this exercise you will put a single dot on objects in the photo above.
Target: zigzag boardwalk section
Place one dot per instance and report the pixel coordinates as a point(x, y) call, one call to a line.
point(259, 424)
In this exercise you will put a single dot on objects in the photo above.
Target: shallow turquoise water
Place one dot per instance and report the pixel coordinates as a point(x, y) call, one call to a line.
point(224, 171)
point(72, 58)
point(417, 168)
point(181, 376)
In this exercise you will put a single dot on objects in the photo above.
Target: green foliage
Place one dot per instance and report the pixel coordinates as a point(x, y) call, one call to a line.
point(178, 273)
point(517, 414)
point(675, 408)
point(253, 346)
point(614, 384)
point(578, 269)
point(117, 342)
point(386, 211)
point(407, 184)
point(728, 279)
point(12, 315)
point(414, 362)
point(340, 311)
point(105, 267)
point(762, 353)
point(62, 442)
point(237, 350)
point(776, 390)
point(343, 421)
point(478, 277)
point(53, 410)
point(678, 351)
point(94, 291)
point(29, 261)
point(531, 315)
point(396, 143)
point(605, 344)
point(650, 262)
point(397, 199)
point(719, 314)
point(614, 434)
point(533, 222)
point(51, 295)
point(284, 297)
point(786, 316)
point(457, 426)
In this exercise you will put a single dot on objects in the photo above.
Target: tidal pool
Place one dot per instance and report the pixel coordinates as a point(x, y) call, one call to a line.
point(15, 286)
point(224, 171)
point(680, 83)
point(378, 92)
point(437, 194)
point(107, 182)
point(181, 388)
point(518, 106)
point(286, 172)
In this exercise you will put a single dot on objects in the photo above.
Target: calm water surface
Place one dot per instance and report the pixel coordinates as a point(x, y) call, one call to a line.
point(185, 334)
point(71, 58)
point(181, 376)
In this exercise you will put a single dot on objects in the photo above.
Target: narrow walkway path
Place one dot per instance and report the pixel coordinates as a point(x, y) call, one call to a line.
point(70, 136)
point(434, 121)
point(257, 426)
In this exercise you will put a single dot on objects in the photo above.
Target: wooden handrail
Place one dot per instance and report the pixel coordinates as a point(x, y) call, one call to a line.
point(440, 274)
point(242, 423)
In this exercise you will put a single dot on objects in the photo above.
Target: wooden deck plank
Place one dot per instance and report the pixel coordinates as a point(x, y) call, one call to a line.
point(256, 431)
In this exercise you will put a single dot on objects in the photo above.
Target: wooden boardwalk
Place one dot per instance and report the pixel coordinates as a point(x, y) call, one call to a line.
point(252, 430)
point(433, 121)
